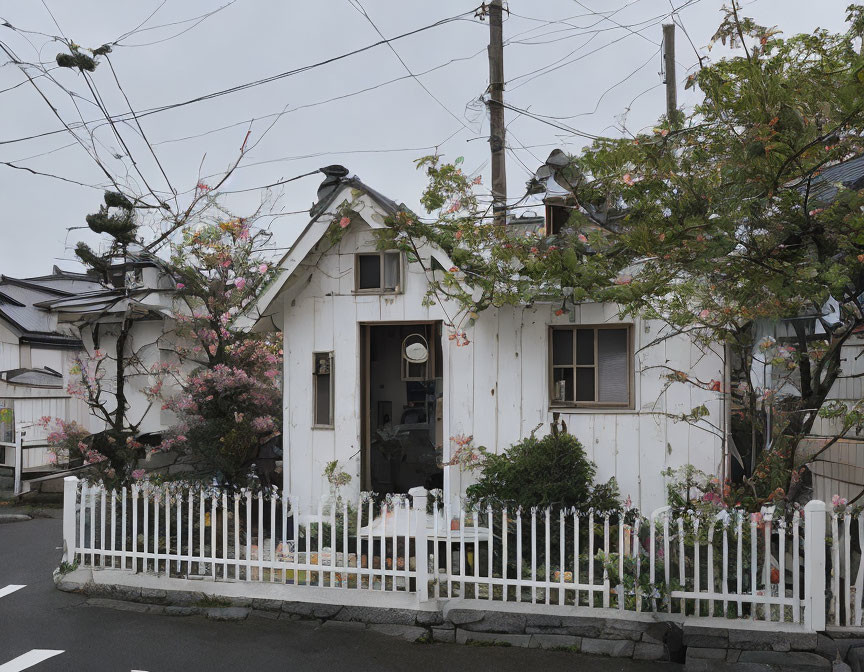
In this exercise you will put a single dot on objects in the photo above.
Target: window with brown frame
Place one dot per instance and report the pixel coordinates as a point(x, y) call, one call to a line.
point(378, 272)
point(591, 366)
point(557, 217)
point(322, 376)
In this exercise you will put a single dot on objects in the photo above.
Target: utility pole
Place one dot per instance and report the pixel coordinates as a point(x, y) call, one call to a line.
point(496, 111)
point(669, 72)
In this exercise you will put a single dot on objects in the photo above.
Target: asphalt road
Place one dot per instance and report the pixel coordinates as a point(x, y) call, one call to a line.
point(97, 639)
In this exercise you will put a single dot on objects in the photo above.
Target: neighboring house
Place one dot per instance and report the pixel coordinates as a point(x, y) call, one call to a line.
point(36, 353)
point(373, 379)
point(137, 285)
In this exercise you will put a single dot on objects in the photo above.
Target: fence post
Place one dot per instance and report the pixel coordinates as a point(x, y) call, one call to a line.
point(814, 565)
point(421, 548)
point(19, 462)
point(70, 490)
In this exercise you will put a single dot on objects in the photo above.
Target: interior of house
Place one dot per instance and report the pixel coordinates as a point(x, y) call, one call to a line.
point(404, 406)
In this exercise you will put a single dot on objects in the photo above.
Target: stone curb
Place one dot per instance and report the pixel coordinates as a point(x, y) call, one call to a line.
point(14, 517)
point(700, 647)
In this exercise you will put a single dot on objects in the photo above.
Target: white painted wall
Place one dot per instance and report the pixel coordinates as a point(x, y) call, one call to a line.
point(495, 389)
point(144, 340)
point(51, 358)
point(10, 357)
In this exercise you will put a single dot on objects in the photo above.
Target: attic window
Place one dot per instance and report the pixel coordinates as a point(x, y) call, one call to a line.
point(121, 277)
point(556, 219)
point(378, 272)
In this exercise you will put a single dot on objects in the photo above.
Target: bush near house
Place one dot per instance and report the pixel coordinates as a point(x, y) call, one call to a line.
point(552, 470)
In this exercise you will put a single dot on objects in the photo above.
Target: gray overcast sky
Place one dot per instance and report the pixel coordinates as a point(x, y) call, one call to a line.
point(376, 134)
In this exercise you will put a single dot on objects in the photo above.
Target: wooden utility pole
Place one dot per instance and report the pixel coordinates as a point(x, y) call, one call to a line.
point(496, 111)
point(669, 72)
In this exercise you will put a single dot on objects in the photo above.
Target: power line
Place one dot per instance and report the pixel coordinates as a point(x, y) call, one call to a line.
point(562, 127)
point(547, 22)
point(196, 21)
point(359, 7)
point(271, 185)
point(265, 80)
point(602, 95)
point(562, 62)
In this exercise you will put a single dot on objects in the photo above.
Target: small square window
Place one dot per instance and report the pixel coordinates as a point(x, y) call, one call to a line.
point(590, 366)
point(378, 272)
point(322, 378)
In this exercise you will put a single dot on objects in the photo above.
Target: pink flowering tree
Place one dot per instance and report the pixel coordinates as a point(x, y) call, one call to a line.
point(229, 402)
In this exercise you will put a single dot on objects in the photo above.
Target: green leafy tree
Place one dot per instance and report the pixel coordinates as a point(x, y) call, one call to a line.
point(715, 221)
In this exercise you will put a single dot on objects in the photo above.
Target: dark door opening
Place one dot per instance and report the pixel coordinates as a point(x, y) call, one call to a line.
point(403, 406)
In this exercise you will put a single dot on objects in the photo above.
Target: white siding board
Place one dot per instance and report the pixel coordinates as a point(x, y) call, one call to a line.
point(509, 375)
point(486, 381)
point(347, 403)
point(535, 375)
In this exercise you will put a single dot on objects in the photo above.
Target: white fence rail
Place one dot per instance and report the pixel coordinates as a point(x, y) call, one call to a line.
point(731, 566)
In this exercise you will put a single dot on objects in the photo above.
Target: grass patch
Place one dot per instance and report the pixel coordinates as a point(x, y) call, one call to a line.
point(66, 567)
point(213, 601)
point(568, 649)
point(484, 642)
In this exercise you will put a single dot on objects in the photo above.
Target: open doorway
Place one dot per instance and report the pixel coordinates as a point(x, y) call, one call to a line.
point(402, 408)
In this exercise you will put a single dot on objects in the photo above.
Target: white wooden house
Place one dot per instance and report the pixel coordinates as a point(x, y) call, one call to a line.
point(48, 322)
point(352, 317)
point(138, 286)
point(36, 353)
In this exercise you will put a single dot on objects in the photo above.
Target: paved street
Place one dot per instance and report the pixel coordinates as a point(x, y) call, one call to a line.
point(37, 617)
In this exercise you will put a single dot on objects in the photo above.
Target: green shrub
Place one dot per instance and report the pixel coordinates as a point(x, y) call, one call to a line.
point(553, 470)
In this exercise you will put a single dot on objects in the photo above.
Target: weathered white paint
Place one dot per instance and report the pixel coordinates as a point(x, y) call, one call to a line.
point(496, 388)
point(47, 358)
point(10, 357)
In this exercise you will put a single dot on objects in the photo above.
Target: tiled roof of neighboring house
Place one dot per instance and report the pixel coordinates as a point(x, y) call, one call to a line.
point(849, 174)
point(20, 299)
point(33, 377)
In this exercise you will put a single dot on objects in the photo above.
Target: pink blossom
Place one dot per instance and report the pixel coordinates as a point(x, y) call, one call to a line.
point(263, 268)
point(581, 238)
point(262, 424)
point(838, 502)
point(180, 285)
point(756, 518)
point(240, 283)
point(345, 221)
point(138, 474)
point(705, 314)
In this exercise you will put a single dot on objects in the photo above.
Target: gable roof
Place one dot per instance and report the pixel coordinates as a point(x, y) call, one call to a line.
point(827, 184)
point(21, 306)
point(337, 181)
point(44, 377)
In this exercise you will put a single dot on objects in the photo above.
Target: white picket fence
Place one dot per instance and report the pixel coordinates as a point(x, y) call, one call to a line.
point(731, 566)
point(846, 563)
